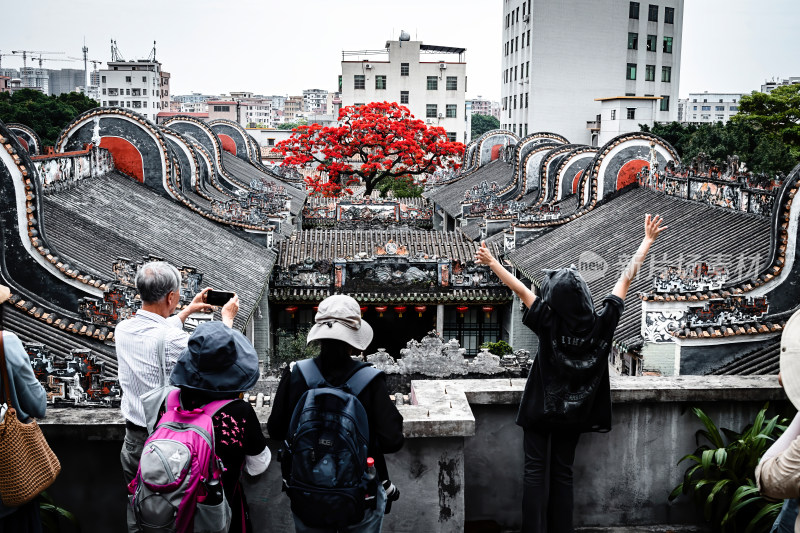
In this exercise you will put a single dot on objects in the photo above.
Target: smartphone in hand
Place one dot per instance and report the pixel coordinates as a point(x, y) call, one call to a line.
point(218, 298)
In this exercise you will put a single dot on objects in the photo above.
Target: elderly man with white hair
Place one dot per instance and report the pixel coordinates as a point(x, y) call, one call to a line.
point(142, 339)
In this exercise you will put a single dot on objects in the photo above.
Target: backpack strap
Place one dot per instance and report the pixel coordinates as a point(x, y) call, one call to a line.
point(361, 378)
point(311, 374)
point(173, 400)
point(211, 408)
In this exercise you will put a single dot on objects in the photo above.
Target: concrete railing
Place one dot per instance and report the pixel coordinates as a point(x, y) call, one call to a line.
point(463, 457)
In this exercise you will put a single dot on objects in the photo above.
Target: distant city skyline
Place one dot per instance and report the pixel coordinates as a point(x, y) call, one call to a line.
point(268, 48)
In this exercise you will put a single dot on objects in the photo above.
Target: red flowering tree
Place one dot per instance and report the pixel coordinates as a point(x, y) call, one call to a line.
point(371, 142)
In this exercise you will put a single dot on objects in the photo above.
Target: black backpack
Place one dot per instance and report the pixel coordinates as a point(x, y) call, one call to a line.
point(324, 458)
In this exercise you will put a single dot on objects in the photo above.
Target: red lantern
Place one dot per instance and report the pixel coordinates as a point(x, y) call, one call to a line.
point(292, 309)
point(400, 310)
point(363, 309)
point(462, 309)
point(420, 309)
point(381, 309)
point(488, 310)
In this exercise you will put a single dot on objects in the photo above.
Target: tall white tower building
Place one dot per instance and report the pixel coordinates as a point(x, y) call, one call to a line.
point(562, 59)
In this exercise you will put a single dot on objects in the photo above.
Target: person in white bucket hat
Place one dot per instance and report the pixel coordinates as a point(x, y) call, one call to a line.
point(778, 473)
point(341, 332)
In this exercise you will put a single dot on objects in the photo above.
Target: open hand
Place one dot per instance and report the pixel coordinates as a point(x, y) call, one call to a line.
point(483, 256)
point(652, 226)
point(229, 310)
point(198, 303)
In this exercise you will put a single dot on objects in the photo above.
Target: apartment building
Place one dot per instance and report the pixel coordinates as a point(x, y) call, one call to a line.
point(707, 108)
point(139, 85)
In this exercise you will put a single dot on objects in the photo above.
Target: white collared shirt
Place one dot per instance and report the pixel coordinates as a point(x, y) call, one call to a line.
point(137, 340)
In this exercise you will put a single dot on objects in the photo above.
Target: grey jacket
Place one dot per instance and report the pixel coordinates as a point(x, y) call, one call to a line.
point(28, 396)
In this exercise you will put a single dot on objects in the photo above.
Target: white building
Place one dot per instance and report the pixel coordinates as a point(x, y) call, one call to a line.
point(139, 85)
point(429, 80)
point(708, 108)
point(255, 112)
point(561, 60)
point(623, 114)
point(769, 85)
point(315, 100)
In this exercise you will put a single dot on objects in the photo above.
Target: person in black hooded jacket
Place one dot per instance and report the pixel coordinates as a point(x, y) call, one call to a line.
point(567, 392)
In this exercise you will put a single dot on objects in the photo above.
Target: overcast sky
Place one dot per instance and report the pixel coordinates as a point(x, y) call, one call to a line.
point(283, 47)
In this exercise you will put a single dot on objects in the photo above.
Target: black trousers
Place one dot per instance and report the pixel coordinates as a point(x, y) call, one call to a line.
point(547, 484)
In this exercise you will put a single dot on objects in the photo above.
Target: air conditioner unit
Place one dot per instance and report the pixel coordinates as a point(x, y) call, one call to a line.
point(526, 18)
point(442, 66)
point(367, 65)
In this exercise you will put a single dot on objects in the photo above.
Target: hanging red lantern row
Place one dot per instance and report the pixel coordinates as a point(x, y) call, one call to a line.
point(488, 310)
point(400, 310)
point(462, 309)
point(420, 309)
point(363, 309)
point(381, 309)
point(292, 309)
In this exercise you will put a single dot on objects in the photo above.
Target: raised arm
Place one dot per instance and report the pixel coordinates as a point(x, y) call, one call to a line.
point(652, 229)
point(485, 257)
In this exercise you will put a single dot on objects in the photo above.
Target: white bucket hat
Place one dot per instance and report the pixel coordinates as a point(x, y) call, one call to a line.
point(339, 317)
point(790, 359)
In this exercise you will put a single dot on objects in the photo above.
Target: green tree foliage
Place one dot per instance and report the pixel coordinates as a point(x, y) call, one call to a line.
point(293, 347)
point(483, 123)
point(292, 125)
point(776, 113)
point(763, 152)
point(402, 187)
point(720, 475)
point(500, 348)
point(46, 115)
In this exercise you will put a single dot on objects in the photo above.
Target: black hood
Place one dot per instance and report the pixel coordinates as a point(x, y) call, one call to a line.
point(567, 294)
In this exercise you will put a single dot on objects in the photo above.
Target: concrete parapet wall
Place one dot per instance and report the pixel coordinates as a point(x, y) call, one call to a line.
point(463, 457)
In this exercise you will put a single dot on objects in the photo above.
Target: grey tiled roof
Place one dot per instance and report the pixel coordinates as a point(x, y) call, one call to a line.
point(450, 196)
point(614, 230)
point(245, 173)
point(114, 216)
point(762, 360)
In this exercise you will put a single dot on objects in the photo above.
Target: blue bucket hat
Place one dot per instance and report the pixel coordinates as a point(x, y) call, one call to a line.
point(218, 360)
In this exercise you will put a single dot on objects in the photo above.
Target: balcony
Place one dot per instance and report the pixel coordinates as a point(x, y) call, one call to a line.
point(462, 461)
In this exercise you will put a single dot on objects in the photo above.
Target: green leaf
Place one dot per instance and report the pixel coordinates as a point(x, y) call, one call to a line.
point(720, 456)
point(713, 433)
point(675, 492)
point(708, 456)
point(770, 510)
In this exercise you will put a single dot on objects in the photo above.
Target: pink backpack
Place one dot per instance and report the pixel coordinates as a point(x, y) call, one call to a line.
point(179, 458)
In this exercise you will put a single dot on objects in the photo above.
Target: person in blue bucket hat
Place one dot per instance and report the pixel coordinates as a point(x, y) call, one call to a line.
point(220, 363)
point(567, 392)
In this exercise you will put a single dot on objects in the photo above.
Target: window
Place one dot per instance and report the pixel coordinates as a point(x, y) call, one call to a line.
point(505, 72)
point(512, 46)
point(506, 48)
point(719, 108)
point(127, 92)
point(270, 142)
point(433, 83)
point(451, 136)
point(452, 83)
point(720, 117)
point(505, 103)
point(515, 73)
point(631, 75)
point(144, 79)
point(507, 20)
point(403, 97)
point(666, 74)
point(695, 108)
point(144, 103)
point(430, 110)
point(527, 69)
point(380, 82)
point(340, 83)
point(526, 102)
point(222, 108)
point(651, 43)
point(404, 69)
point(669, 15)
point(359, 81)
point(664, 102)
point(631, 113)
point(733, 108)
point(515, 101)
point(613, 114)
point(667, 45)
point(472, 328)
point(633, 41)
point(128, 79)
point(450, 110)
point(633, 10)
point(103, 79)
point(104, 91)
point(650, 73)
point(652, 13)
point(705, 108)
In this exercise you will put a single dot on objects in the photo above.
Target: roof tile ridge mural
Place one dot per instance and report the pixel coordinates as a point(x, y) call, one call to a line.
point(568, 158)
point(28, 138)
point(212, 173)
point(245, 136)
point(783, 242)
point(516, 185)
point(193, 155)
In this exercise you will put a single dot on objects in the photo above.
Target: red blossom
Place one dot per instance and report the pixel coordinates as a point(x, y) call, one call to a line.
point(370, 143)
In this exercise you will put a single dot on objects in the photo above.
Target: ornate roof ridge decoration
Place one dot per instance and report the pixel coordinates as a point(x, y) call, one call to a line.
point(76, 380)
point(238, 127)
point(60, 171)
point(368, 212)
point(711, 186)
point(28, 201)
point(588, 184)
point(780, 240)
point(33, 144)
point(212, 173)
point(475, 164)
point(700, 277)
point(578, 150)
point(61, 320)
point(519, 171)
point(191, 146)
point(492, 295)
point(555, 178)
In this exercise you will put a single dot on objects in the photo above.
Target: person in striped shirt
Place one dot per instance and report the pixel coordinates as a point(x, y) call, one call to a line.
point(138, 340)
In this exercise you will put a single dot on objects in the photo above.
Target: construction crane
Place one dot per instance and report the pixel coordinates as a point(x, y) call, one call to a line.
point(26, 52)
point(40, 59)
point(13, 54)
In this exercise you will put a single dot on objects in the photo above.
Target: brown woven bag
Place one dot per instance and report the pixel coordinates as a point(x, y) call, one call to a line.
point(27, 464)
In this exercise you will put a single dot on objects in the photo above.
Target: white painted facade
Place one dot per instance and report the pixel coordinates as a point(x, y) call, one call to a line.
point(625, 114)
point(136, 85)
point(708, 108)
point(559, 57)
point(425, 79)
point(768, 86)
point(315, 100)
